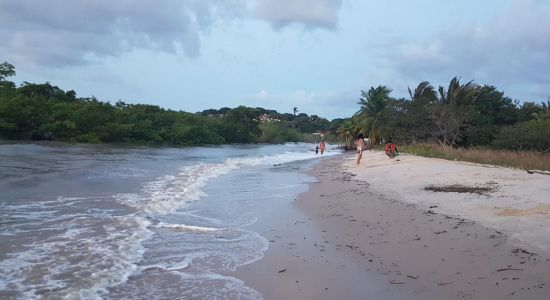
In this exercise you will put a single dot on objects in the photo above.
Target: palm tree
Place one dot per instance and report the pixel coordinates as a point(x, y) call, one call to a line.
point(423, 96)
point(424, 92)
point(544, 113)
point(346, 133)
point(451, 114)
point(295, 109)
point(457, 94)
point(372, 104)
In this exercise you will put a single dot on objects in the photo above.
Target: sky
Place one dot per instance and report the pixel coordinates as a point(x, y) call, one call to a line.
point(316, 55)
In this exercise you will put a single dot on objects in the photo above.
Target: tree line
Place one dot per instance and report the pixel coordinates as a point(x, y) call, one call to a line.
point(459, 115)
point(46, 112)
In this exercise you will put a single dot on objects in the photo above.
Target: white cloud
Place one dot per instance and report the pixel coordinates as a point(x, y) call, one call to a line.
point(512, 49)
point(261, 95)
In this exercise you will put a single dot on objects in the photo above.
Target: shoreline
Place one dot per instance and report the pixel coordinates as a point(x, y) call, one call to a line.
point(350, 235)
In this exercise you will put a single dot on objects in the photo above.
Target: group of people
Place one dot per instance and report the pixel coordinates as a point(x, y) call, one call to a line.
point(390, 151)
point(361, 145)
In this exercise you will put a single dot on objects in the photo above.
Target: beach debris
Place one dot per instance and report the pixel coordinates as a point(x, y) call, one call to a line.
point(352, 247)
point(396, 282)
point(459, 188)
point(440, 232)
point(282, 271)
point(509, 269)
point(469, 222)
point(444, 283)
point(538, 172)
point(519, 250)
point(413, 276)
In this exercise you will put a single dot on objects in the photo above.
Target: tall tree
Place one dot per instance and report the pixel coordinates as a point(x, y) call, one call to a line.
point(346, 133)
point(372, 103)
point(6, 70)
point(241, 125)
point(452, 113)
point(417, 118)
point(458, 94)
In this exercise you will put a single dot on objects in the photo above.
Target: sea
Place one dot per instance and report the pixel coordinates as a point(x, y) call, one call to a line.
point(120, 222)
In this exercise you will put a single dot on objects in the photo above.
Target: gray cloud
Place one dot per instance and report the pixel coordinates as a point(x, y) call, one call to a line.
point(511, 50)
point(59, 32)
point(310, 13)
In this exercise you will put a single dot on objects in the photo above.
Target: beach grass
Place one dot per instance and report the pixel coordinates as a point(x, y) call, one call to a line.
point(528, 160)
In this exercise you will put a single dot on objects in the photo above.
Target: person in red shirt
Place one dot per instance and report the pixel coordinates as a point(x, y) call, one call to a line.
point(322, 147)
point(391, 150)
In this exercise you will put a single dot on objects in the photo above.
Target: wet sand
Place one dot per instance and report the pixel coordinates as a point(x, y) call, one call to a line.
point(347, 239)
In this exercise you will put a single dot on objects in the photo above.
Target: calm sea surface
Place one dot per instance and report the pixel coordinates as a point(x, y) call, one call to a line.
point(103, 222)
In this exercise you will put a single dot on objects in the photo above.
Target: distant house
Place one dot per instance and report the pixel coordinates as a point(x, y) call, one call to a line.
point(266, 118)
point(321, 134)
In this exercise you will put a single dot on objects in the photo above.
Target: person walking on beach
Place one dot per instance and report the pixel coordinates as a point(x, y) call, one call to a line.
point(360, 146)
point(322, 147)
point(316, 149)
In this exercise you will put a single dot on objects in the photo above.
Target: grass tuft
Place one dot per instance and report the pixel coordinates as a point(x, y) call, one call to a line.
point(528, 160)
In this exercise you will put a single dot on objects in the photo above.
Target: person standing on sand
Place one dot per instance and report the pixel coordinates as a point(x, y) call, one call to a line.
point(322, 147)
point(360, 146)
point(316, 149)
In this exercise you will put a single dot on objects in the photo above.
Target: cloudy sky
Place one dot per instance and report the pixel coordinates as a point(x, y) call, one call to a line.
point(316, 55)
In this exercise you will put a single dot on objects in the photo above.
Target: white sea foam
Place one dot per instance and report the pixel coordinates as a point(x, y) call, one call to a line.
point(186, 227)
point(226, 287)
point(169, 193)
point(65, 260)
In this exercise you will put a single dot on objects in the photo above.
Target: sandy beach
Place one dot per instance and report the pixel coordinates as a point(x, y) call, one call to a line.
point(374, 231)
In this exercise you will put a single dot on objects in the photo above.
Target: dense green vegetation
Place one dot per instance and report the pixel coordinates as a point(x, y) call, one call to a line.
point(459, 116)
point(46, 112)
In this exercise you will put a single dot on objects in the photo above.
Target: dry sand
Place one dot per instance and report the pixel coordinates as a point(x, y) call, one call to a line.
point(518, 205)
point(372, 232)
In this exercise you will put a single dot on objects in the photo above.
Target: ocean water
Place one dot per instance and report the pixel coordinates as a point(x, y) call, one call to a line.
point(105, 222)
